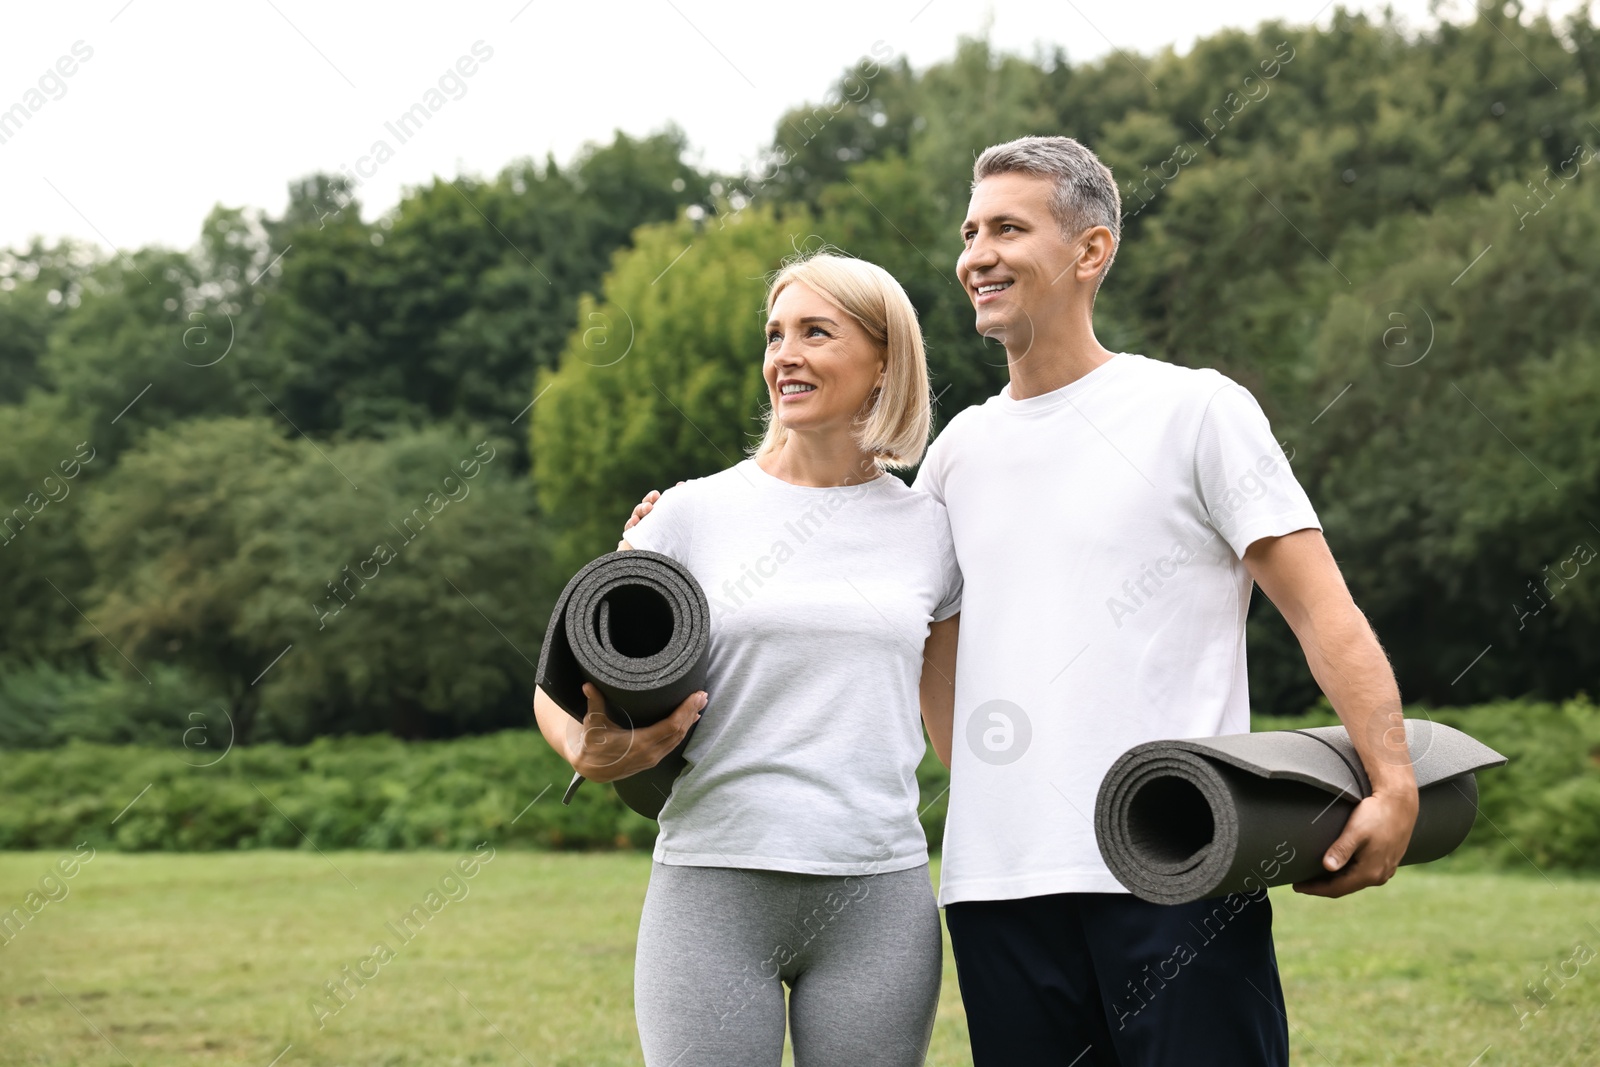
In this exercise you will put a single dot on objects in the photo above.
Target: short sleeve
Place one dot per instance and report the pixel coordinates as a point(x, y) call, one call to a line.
point(669, 528)
point(951, 570)
point(1244, 480)
point(930, 476)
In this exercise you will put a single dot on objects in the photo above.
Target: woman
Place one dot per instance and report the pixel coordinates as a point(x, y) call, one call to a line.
point(790, 851)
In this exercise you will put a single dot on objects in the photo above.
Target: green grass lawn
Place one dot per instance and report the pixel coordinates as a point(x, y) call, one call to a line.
point(217, 958)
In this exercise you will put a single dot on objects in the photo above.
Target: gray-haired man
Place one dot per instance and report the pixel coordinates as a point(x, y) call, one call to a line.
point(1110, 513)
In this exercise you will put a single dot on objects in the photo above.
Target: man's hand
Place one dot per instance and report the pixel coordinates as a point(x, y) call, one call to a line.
point(602, 751)
point(1368, 852)
point(642, 509)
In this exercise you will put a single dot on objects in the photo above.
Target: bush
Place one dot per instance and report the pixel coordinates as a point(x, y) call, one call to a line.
point(42, 706)
point(356, 792)
point(378, 792)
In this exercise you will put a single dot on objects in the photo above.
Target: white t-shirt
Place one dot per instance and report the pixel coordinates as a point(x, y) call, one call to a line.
point(1101, 608)
point(805, 756)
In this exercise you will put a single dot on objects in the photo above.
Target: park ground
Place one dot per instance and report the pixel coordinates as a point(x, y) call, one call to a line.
point(221, 958)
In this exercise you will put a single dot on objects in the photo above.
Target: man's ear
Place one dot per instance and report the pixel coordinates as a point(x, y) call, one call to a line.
point(1097, 248)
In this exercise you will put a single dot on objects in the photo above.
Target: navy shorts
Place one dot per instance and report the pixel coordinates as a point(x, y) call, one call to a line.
point(1101, 979)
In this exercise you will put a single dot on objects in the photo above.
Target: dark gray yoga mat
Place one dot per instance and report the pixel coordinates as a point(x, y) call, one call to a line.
point(1178, 821)
point(638, 626)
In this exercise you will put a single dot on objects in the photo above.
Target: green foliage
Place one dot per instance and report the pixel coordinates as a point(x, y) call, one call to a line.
point(1470, 467)
point(1288, 191)
point(449, 305)
point(661, 379)
point(42, 706)
point(47, 463)
point(370, 792)
point(414, 604)
point(140, 350)
point(397, 581)
point(39, 286)
point(379, 792)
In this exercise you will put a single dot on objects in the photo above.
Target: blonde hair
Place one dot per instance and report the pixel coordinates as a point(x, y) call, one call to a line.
point(896, 424)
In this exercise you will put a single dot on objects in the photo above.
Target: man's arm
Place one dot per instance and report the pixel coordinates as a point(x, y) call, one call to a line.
point(938, 688)
point(1299, 575)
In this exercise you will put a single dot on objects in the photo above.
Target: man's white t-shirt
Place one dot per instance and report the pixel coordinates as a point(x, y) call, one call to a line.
point(806, 754)
point(1099, 530)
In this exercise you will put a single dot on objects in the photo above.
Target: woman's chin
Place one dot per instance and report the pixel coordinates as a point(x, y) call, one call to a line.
point(796, 423)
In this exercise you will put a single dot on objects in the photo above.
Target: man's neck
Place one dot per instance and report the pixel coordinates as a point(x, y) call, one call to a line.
point(1047, 363)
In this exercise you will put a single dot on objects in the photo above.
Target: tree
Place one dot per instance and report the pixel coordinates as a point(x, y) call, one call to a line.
point(661, 378)
point(166, 533)
point(39, 287)
point(372, 585)
point(1461, 472)
point(449, 305)
point(49, 459)
point(415, 604)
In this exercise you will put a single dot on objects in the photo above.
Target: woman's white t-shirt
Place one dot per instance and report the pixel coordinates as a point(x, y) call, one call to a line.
point(805, 756)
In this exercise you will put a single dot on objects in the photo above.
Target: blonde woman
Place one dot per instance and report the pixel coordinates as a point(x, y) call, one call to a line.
point(790, 853)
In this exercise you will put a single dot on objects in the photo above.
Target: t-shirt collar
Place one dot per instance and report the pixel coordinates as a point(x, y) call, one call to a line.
point(1071, 391)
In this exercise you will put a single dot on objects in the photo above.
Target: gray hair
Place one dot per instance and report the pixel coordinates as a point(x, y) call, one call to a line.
point(1085, 194)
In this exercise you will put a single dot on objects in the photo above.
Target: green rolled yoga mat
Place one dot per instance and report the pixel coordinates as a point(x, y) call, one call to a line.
point(638, 626)
point(1179, 821)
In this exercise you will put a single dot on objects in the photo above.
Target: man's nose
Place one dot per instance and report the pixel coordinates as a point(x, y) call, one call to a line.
point(979, 254)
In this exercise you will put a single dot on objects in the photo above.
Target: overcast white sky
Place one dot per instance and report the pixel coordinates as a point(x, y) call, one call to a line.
point(183, 104)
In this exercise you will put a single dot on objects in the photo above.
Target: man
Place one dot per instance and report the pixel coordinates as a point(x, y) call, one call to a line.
point(1110, 513)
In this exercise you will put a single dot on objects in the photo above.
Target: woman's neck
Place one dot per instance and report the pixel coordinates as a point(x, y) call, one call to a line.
point(808, 461)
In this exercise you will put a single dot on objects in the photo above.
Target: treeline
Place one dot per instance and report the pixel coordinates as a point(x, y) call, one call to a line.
point(323, 474)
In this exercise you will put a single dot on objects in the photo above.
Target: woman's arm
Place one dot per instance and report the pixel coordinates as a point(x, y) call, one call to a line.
point(938, 688)
point(602, 751)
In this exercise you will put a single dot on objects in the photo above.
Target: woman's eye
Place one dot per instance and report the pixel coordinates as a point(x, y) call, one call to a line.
point(774, 337)
point(816, 330)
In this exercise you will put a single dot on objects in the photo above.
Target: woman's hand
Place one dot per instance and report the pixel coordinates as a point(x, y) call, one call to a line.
point(602, 751)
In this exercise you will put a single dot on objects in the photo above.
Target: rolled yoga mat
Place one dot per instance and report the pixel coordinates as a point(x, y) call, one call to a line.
point(638, 626)
point(1179, 821)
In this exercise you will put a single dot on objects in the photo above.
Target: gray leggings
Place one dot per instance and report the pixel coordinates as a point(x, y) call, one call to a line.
point(861, 955)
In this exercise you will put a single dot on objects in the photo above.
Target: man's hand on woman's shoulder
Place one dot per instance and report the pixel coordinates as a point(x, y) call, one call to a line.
point(642, 509)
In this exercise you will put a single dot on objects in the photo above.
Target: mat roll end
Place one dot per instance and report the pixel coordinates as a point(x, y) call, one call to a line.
point(1183, 820)
point(637, 626)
